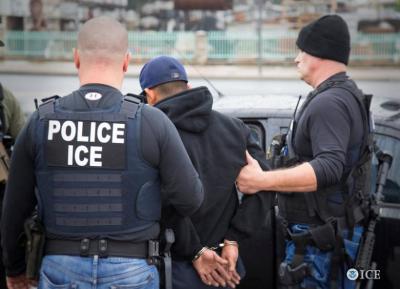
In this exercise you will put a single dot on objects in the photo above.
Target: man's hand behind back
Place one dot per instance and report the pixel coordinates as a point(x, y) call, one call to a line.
point(231, 254)
point(211, 269)
point(217, 271)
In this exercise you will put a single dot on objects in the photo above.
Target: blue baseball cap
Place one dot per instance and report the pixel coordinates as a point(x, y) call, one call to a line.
point(161, 69)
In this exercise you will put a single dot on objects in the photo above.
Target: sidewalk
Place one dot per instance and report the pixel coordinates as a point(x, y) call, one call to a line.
point(196, 71)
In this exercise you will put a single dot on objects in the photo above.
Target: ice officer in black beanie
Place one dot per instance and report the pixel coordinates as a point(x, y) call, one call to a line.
point(324, 172)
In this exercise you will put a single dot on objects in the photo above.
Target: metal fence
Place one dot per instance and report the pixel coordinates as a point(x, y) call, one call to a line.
point(222, 47)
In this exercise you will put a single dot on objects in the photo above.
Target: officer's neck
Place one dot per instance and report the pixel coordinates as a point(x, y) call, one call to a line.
point(325, 71)
point(108, 77)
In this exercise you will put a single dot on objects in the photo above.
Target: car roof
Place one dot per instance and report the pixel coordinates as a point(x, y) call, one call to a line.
point(386, 111)
point(258, 106)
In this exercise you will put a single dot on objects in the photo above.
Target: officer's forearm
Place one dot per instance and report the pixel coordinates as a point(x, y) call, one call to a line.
point(298, 179)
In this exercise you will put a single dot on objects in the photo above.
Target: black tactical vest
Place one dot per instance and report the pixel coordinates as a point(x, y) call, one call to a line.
point(316, 207)
point(91, 178)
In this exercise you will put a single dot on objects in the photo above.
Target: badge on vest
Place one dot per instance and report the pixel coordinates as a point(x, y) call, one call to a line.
point(93, 96)
point(91, 144)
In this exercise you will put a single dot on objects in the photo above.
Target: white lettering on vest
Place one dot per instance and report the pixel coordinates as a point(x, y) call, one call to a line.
point(103, 132)
point(54, 127)
point(86, 133)
point(81, 137)
point(100, 136)
point(92, 131)
point(95, 156)
point(81, 161)
point(70, 155)
point(118, 133)
point(78, 156)
point(72, 131)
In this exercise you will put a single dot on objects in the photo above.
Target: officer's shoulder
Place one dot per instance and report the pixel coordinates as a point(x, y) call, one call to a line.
point(32, 123)
point(334, 96)
point(34, 116)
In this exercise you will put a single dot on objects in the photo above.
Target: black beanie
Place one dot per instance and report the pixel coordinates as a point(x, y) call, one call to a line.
point(328, 38)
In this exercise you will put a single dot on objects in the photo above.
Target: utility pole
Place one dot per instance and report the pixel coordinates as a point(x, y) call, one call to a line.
point(333, 6)
point(259, 35)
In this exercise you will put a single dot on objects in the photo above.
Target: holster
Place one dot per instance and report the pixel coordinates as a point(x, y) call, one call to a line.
point(275, 151)
point(165, 266)
point(35, 240)
point(292, 277)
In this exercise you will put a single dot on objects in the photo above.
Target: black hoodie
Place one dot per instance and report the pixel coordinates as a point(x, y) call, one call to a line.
point(216, 144)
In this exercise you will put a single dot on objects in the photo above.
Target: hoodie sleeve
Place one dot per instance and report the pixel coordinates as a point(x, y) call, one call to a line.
point(254, 209)
point(180, 183)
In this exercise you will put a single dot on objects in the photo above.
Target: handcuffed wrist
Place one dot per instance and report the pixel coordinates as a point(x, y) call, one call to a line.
point(231, 243)
point(198, 254)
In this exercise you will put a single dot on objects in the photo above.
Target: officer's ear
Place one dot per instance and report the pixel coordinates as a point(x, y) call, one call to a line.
point(151, 96)
point(77, 60)
point(127, 59)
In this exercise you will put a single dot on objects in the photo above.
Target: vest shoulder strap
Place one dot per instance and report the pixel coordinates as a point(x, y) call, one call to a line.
point(47, 106)
point(364, 102)
point(130, 105)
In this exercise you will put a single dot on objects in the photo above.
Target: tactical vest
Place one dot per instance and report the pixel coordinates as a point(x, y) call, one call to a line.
point(354, 187)
point(91, 178)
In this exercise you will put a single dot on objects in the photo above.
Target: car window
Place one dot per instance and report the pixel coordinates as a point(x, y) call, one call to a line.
point(391, 145)
point(258, 133)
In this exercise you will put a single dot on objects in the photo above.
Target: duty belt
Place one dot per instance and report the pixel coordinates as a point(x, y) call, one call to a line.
point(102, 248)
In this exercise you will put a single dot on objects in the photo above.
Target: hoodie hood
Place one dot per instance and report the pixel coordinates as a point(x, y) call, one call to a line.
point(189, 110)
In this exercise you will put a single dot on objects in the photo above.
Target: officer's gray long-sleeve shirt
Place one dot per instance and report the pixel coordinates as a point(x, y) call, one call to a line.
point(162, 148)
point(330, 132)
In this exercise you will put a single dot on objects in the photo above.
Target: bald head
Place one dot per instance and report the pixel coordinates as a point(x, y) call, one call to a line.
point(102, 39)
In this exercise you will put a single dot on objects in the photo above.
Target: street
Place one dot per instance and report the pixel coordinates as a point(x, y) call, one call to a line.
point(26, 87)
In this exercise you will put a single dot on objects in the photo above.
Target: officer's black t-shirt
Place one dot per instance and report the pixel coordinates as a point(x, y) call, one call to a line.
point(330, 127)
point(161, 147)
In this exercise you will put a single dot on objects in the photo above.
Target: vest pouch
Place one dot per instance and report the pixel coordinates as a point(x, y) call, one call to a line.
point(274, 152)
point(148, 202)
point(324, 237)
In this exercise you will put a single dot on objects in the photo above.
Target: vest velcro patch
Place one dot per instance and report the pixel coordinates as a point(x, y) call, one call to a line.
point(94, 144)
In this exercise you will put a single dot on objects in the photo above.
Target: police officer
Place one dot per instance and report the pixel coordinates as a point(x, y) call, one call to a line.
point(216, 144)
point(95, 165)
point(11, 121)
point(323, 203)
